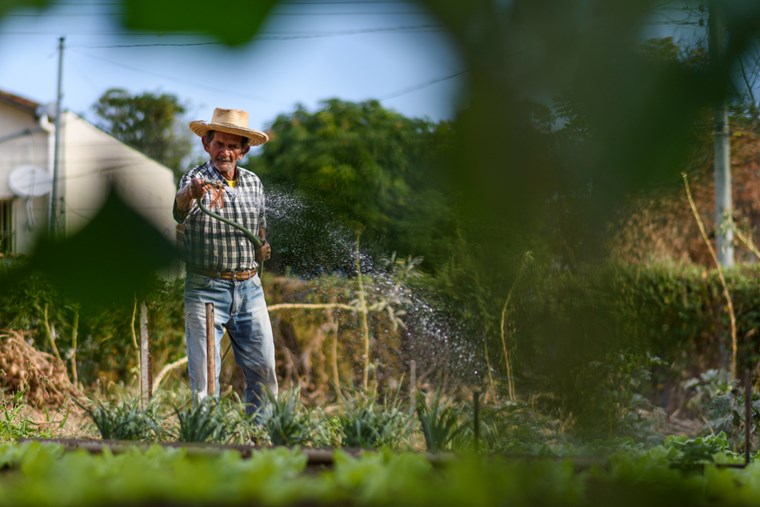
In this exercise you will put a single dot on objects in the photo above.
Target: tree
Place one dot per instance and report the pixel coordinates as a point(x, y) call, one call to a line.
point(149, 123)
point(372, 169)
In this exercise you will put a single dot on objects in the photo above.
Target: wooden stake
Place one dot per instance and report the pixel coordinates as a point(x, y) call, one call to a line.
point(146, 379)
point(210, 351)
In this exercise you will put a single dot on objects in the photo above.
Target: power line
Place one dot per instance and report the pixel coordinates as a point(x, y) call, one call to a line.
point(349, 2)
point(147, 45)
point(283, 36)
point(118, 13)
point(305, 2)
point(174, 79)
point(421, 86)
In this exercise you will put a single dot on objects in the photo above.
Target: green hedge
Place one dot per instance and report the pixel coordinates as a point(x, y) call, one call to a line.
point(591, 339)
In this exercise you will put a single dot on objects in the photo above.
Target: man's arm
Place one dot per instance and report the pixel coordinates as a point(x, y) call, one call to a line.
point(183, 201)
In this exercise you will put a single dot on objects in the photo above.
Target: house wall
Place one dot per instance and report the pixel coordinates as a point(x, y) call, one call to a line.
point(93, 160)
point(29, 215)
point(90, 161)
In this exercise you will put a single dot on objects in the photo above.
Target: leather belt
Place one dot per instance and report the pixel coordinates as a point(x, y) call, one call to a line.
point(224, 275)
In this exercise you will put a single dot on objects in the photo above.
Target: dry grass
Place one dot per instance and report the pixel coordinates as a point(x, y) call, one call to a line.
point(659, 226)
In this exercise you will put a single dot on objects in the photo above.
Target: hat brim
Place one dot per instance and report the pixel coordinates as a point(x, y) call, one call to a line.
point(255, 137)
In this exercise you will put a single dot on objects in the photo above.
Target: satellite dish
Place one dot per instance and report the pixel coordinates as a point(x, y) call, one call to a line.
point(29, 181)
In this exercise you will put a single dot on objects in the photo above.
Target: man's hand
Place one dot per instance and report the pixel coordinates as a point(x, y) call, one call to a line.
point(187, 194)
point(265, 251)
point(197, 188)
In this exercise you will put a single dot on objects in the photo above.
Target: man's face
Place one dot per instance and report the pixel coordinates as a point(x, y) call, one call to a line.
point(225, 150)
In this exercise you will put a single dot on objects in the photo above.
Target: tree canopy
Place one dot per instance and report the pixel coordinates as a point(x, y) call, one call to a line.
point(149, 123)
point(372, 168)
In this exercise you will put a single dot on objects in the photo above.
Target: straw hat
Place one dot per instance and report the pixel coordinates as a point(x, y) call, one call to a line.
point(231, 121)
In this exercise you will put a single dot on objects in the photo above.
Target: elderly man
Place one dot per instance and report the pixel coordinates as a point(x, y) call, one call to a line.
point(221, 262)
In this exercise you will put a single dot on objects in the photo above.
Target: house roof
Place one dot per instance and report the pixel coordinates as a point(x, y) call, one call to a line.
point(20, 102)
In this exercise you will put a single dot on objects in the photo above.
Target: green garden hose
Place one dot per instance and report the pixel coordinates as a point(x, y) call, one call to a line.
point(248, 234)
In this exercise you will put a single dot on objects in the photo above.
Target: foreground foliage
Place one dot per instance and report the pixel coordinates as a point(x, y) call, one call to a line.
point(44, 474)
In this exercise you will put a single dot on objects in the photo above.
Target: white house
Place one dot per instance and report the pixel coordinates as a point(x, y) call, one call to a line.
point(90, 160)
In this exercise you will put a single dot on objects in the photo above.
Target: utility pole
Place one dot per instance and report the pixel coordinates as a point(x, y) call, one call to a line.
point(53, 230)
point(724, 234)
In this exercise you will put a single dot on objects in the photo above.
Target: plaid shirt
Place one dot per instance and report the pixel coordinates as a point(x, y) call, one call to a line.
point(212, 244)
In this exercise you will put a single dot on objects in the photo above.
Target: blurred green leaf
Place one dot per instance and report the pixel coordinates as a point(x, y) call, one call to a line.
point(232, 24)
point(111, 259)
point(7, 6)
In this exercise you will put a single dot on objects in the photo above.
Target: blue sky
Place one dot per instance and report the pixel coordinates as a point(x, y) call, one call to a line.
point(391, 50)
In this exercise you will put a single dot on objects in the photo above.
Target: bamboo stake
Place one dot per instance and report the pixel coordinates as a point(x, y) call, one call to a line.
point(714, 255)
point(311, 306)
point(747, 241)
point(505, 350)
point(476, 420)
point(51, 333)
point(412, 386)
point(74, 336)
point(334, 359)
point(166, 370)
point(507, 362)
point(364, 312)
point(132, 328)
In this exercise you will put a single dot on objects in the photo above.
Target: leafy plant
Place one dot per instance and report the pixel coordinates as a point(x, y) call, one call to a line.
point(124, 420)
point(688, 451)
point(285, 418)
point(440, 423)
point(205, 421)
point(705, 388)
point(367, 424)
point(13, 424)
point(510, 427)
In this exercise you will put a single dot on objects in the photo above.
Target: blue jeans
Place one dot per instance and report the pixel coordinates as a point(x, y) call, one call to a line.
point(239, 307)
